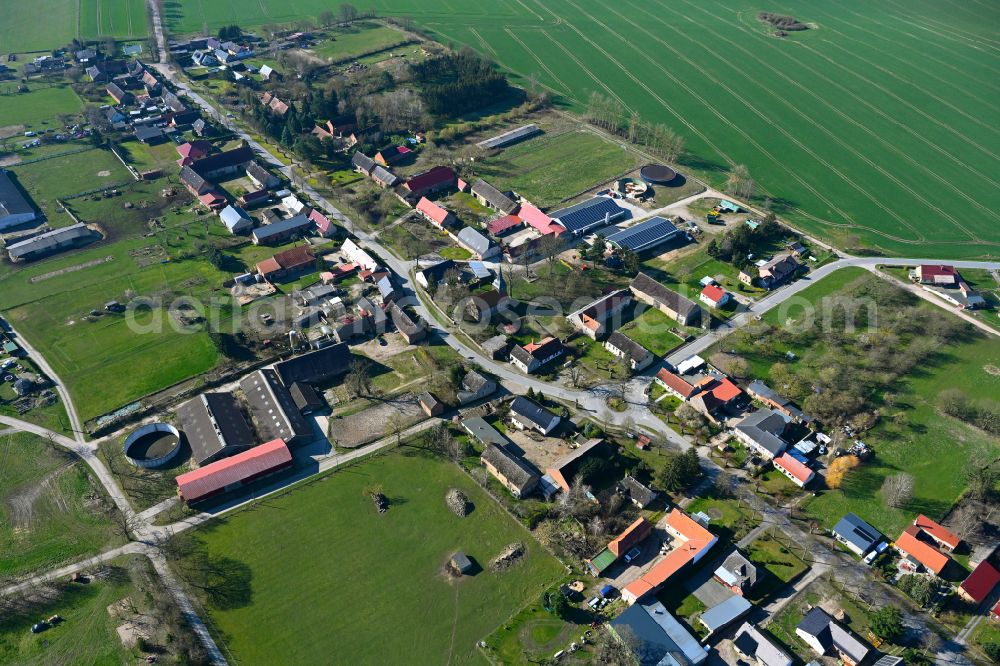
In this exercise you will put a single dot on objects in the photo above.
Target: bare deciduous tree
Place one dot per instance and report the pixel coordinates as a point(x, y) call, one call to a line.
point(897, 490)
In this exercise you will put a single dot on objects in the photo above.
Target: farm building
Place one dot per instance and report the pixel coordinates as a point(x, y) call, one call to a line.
point(215, 426)
point(234, 472)
point(412, 329)
point(722, 615)
point(273, 410)
point(227, 163)
point(282, 230)
point(287, 264)
point(675, 385)
point(475, 387)
point(15, 207)
point(261, 177)
point(632, 536)
point(510, 137)
point(315, 367)
point(509, 469)
point(363, 164)
point(491, 197)
point(235, 219)
point(588, 215)
point(306, 398)
point(50, 242)
point(502, 226)
point(391, 155)
point(939, 274)
point(538, 220)
point(563, 470)
point(758, 390)
point(483, 432)
point(430, 404)
point(192, 151)
point(383, 177)
point(645, 235)
point(667, 301)
point(149, 134)
point(433, 180)
point(657, 635)
point(592, 319)
point(479, 245)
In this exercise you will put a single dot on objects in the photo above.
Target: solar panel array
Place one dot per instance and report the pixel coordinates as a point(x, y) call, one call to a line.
point(590, 213)
point(645, 234)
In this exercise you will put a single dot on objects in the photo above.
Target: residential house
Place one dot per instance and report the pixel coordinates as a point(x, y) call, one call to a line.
point(192, 151)
point(675, 385)
point(777, 271)
point(511, 470)
point(714, 296)
point(275, 106)
point(762, 433)
point(717, 395)
point(690, 542)
point(434, 213)
point(227, 163)
point(266, 71)
point(737, 574)
point(795, 469)
point(479, 245)
point(760, 391)
point(261, 177)
point(592, 319)
point(980, 583)
point(667, 301)
point(938, 274)
point(282, 230)
point(475, 386)
point(430, 404)
point(386, 289)
point(120, 96)
point(293, 205)
point(358, 255)
point(433, 180)
point(564, 470)
point(918, 550)
point(944, 538)
point(857, 535)
point(212, 200)
point(149, 134)
point(288, 264)
point(826, 636)
point(412, 329)
point(363, 164)
point(236, 219)
point(526, 414)
point(434, 274)
point(234, 472)
point(751, 644)
point(391, 155)
point(660, 639)
point(529, 358)
point(254, 199)
point(491, 197)
point(622, 346)
point(201, 128)
point(637, 492)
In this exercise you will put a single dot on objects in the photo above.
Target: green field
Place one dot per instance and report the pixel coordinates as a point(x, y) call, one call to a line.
point(37, 108)
point(360, 38)
point(875, 128)
point(59, 177)
point(321, 562)
point(50, 24)
point(554, 168)
point(51, 509)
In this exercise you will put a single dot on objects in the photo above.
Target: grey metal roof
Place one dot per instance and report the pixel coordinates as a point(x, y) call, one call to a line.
point(510, 136)
point(50, 240)
point(477, 242)
point(753, 643)
point(589, 214)
point(385, 176)
point(644, 235)
point(273, 409)
point(493, 196)
point(484, 432)
point(12, 200)
point(533, 412)
point(300, 221)
point(362, 161)
point(726, 613)
point(857, 532)
point(192, 178)
point(765, 427)
point(738, 570)
point(214, 424)
point(662, 640)
point(147, 132)
point(233, 216)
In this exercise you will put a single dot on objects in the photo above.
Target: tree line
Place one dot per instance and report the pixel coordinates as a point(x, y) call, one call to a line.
point(611, 115)
point(455, 83)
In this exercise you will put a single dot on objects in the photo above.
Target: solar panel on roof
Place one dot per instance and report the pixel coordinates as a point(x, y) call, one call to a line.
point(645, 234)
point(591, 213)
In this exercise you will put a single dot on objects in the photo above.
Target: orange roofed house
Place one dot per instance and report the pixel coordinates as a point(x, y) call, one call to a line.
point(621, 544)
point(918, 545)
point(690, 543)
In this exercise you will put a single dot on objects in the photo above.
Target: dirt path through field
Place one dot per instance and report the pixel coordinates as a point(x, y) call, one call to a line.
point(22, 501)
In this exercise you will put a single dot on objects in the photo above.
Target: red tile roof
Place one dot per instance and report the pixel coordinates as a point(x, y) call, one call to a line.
point(194, 149)
point(981, 582)
point(937, 531)
point(723, 390)
point(435, 177)
point(502, 224)
point(924, 553)
point(793, 467)
point(539, 220)
point(695, 540)
point(713, 292)
point(432, 210)
point(252, 463)
point(268, 266)
point(675, 382)
point(321, 221)
point(632, 535)
point(930, 271)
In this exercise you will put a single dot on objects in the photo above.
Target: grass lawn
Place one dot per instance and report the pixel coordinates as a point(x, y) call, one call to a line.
point(684, 274)
point(347, 572)
point(456, 253)
point(143, 487)
point(52, 509)
point(551, 169)
point(358, 39)
point(71, 174)
point(653, 330)
point(780, 562)
point(38, 108)
point(535, 633)
point(730, 518)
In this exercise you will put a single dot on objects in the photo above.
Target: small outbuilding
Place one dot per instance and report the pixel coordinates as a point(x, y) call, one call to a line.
point(461, 563)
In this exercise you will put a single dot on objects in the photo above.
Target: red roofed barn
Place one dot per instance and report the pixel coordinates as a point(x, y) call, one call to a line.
point(233, 472)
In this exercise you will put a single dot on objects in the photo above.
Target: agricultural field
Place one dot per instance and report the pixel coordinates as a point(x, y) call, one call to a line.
point(65, 20)
point(360, 38)
point(912, 436)
point(874, 128)
point(51, 510)
point(552, 169)
point(37, 109)
point(375, 570)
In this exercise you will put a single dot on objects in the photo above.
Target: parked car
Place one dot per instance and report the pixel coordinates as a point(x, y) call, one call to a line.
point(39, 627)
point(632, 554)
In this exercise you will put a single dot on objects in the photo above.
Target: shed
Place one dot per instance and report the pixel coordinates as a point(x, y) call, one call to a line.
point(461, 562)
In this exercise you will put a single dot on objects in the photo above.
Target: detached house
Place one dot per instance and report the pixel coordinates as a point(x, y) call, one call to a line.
point(737, 573)
point(675, 385)
point(622, 346)
point(793, 468)
point(531, 357)
point(667, 301)
point(714, 296)
point(918, 545)
point(475, 387)
point(526, 414)
point(827, 637)
point(777, 271)
point(762, 432)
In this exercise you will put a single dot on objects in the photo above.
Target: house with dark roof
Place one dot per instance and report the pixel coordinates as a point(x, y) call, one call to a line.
point(564, 470)
point(483, 432)
point(667, 301)
point(762, 432)
point(226, 163)
point(622, 346)
point(509, 469)
point(656, 637)
point(391, 155)
point(306, 398)
point(585, 216)
point(274, 412)
point(383, 177)
point(412, 328)
point(760, 391)
point(362, 163)
point(526, 414)
point(15, 207)
point(737, 573)
point(261, 177)
point(529, 358)
point(777, 271)
point(496, 347)
point(857, 535)
point(214, 426)
point(434, 273)
point(475, 386)
point(826, 636)
point(430, 404)
point(50, 242)
point(491, 197)
point(315, 367)
point(116, 93)
point(282, 230)
point(149, 134)
point(751, 644)
point(592, 319)
point(637, 492)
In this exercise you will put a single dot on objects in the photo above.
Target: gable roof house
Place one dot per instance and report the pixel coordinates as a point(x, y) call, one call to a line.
point(434, 213)
point(690, 541)
point(538, 220)
point(622, 346)
point(116, 93)
point(483, 432)
point(192, 151)
point(493, 198)
point(226, 163)
point(793, 468)
point(391, 155)
point(661, 640)
point(434, 273)
point(235, 219)
point(721, 615)
point(282, 230)
point(412, 329)
point(531, 357)
point(383, 177)
point(433, 180)
point(287, 264)
point(859, 537)
point(149, 134)
point(645, 235)
point(587, 215)
point(737, 573)
point(526, 414)
point(717, 394)
point(777, 270)
point(762, 432)
point(632, 536)
point(980, 583)
point(475, 386)
point(510, 470)
point(261, 177)
point(944, 538)
point(362, 163)
point(917, 550)
point(638, 493)
point(592, 319)
point(939, 274)
point(758, 390)
point(826, 636)
point(479, 245)
point(667, 301)
point(714, 296)
point(564, 470)
point(751, 644)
